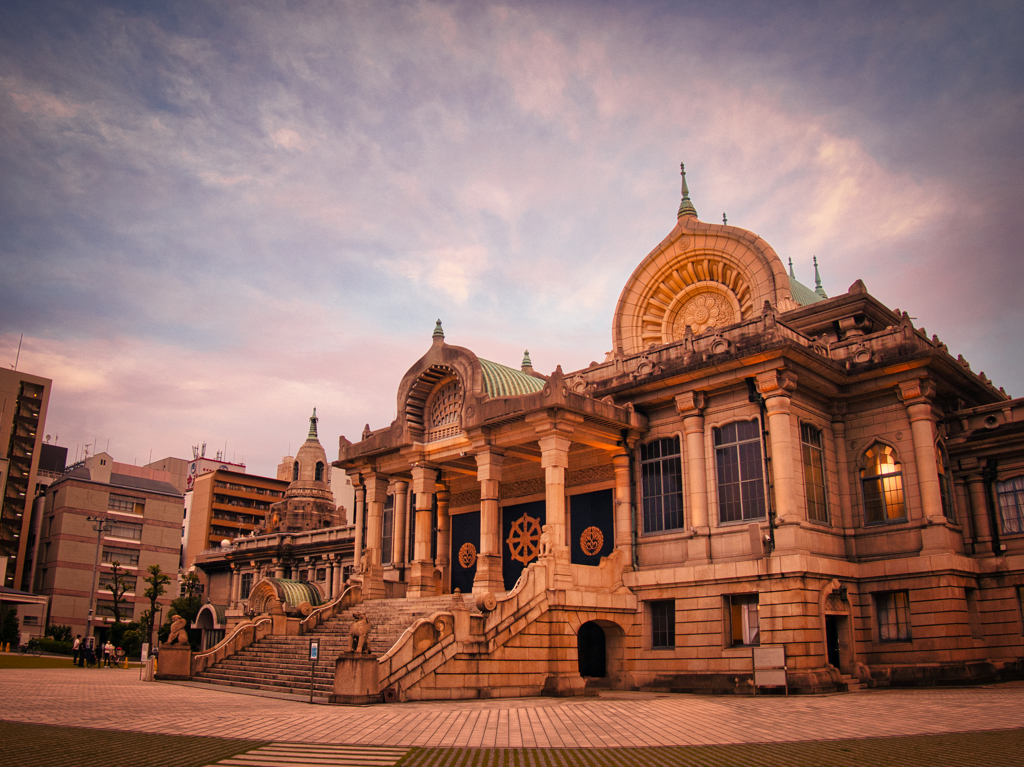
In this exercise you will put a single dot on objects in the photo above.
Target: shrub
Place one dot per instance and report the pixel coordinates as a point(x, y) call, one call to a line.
point(54, 646)
point(59, 632)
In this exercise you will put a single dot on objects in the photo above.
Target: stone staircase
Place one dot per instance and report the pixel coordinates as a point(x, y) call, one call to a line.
point(853, 684)
point(281, 663)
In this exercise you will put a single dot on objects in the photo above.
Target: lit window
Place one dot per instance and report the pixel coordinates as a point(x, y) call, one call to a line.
point(662, 476)
point(1011, 504)
point(740, 475)
point(814, 473)
point(882, 481)
point(743, 620)
point(663, 623)
point(893, 609)
point(126, 504)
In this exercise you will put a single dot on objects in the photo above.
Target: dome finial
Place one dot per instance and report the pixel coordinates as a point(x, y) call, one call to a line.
point(817, 280)
point(792, 274)
point(685, 206)
point(312, 425)
point(438, 330)
point(527, 364)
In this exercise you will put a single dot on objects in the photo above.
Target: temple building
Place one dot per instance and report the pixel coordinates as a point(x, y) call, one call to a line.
point(754, 464)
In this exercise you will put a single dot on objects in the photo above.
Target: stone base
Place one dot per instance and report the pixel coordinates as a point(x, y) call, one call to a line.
point(356, 679)
point(175, 662)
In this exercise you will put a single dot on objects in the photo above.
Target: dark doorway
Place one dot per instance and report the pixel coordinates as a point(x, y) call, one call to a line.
point(832, 639)
point(591, 650)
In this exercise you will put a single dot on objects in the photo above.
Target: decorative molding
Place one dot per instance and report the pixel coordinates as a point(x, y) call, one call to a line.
point(522, 487)
point(691, 402)
point(589, 476)
point(776, 383)
point(466, 498)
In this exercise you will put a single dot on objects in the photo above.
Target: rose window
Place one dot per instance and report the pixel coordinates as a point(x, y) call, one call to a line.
point(703, 311)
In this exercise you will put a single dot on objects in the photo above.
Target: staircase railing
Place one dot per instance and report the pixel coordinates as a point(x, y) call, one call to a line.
point(241, 637)
point(350, 597)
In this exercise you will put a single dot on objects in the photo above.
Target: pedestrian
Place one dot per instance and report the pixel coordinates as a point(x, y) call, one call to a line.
point(108, 653)
point(76, 648)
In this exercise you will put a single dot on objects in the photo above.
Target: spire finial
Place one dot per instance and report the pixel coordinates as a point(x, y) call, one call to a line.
point(438, 330)
point(526, 360)
point(685, 206)
point(725, 221)
point(817, 280)
point(312, 425)
point(792, 274)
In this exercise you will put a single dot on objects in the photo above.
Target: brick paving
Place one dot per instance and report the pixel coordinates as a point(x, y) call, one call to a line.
point(114, 699)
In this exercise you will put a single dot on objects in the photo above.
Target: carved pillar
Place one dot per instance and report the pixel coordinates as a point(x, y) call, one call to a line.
point(373, 574)
point(360, 515)
point(234, 584)
point(400, 536)
point(444, 535)
point(554, 460)
point(424, 482)
point(775, 386)
point(917, 397)
point(278, 567)
point(690, 405)
point(979, 514)
point(488, 562)
point(623, 507)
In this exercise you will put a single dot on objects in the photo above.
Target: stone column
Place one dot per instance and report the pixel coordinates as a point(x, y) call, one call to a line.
point(360, 511)
point(424, 482)
point(844, 514)
point(400, 535)
point(623, 508)
point(979, 514)
point(917, 397)
point(444, 536)
point(690, 405)
point(234, 584)
point(373, 573)
point(489, 465)
point(775, 386)
point(278, 567)
point(554, 459)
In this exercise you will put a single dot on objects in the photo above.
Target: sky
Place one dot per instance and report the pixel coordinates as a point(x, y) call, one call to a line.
point(216, 215)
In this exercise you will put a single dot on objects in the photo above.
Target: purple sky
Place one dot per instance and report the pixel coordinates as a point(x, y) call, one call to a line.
point(217, 215)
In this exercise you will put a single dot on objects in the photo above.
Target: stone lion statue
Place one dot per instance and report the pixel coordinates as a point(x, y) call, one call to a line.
point(545, 541)
point(358, 632)
point(178, 633)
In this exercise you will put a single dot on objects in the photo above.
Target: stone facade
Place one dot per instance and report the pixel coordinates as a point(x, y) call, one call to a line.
point(753, 465)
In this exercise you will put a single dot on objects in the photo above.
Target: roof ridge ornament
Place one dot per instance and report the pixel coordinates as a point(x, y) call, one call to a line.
point(792, 274)
point(438, 330)
point(685, 206)
point(526, 360)
point(817, 280)
point(312, 425)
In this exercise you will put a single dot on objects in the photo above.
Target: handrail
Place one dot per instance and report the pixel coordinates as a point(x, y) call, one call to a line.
point(231, 636)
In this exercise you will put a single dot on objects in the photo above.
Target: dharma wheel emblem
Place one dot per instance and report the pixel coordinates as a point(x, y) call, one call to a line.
point(591, 541)
point(467, 555)
point(524, 539)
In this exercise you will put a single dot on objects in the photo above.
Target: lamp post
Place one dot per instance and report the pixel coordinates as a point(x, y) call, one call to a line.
point(99, 524)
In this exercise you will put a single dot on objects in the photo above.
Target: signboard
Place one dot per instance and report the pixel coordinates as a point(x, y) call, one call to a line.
point(770, 667)
point(314, 650)
point(145, 652)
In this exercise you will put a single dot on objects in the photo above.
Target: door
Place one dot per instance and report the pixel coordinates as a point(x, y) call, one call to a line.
point(832, 639)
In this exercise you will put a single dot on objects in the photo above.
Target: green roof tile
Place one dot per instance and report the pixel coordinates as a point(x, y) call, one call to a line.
point(501, 381)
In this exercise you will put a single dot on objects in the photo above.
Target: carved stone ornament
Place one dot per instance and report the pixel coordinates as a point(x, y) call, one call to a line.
point(524, 539)
point(691, 402)
point(591, 540)
point(467, 555)
point(707, 309)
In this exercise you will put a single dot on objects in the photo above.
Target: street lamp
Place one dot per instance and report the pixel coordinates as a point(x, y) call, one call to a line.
point(99, 525)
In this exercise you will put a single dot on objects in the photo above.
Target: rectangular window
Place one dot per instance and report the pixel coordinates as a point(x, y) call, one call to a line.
point(663, 624)
point(121, 556)
point(662, 477)
point(814, 473)
point(125, 503)
point(30, 620)
point(743, 620)
point(387, 530)
point(246, 585)
point(105, 608)
point(106, 579)
point(321, 573)
point(131, 530)
point(1011, 504)
point(740, 472)
point(893, 608)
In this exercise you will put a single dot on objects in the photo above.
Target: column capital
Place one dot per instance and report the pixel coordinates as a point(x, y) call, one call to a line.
point(489, 463)
point(399, 485)
point(838, 409)
point(554, 449)
point(424, 478)
point(776, 383)
point(691, 403)
point(917, 391)
point(376, 487)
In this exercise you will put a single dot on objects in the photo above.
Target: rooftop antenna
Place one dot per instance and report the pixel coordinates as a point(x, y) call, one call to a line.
point(18, 355)
point(725, 221)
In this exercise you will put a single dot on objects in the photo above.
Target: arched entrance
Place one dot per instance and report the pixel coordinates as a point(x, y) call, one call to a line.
point(591, 651)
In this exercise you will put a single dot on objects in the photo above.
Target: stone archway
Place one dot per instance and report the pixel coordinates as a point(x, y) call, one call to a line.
point(591, 650)
point(838, 646)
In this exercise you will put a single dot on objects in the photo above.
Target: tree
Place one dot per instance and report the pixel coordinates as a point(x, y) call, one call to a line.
point(118, 586)
point(191, 586)
point(157, 581)
point(59, 631)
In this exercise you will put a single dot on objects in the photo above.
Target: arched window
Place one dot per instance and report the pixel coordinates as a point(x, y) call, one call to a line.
point(295, 471)
point(813, 450)
point(945, 483)
point(740, 474)
point(662, 477)
point(1011, 504)
point(882, 482)
point(319, 476)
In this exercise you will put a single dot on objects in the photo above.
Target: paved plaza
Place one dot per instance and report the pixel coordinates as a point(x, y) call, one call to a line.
point(116, 700)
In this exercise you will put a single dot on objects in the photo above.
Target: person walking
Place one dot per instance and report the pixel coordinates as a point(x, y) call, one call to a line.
point(76, 648)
